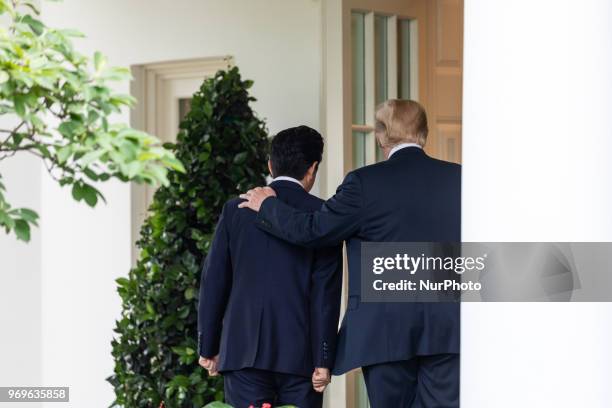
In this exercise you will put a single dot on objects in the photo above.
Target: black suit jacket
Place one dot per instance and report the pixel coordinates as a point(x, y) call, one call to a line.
point(409, 198)
point(265, 303)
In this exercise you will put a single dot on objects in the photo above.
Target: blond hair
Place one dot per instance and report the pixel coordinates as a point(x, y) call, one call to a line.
point(400, 121)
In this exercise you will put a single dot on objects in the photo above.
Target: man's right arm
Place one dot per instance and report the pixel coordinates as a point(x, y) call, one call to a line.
point(338, 219)
point(215, 287)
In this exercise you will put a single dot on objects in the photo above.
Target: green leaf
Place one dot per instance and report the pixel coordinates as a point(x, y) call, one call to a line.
point(36, 25)
point(37, 123)
point(204, 156)
point(6, 220)
point(178, 350)
point(22, 230)
point(122, 100)
point(207, 109)
point(159, 175)
point(240, 157)
point(28, 215)
point(91, 174)
point(4, 76)
point(181, 381)
point(92, 117)
point(183, 313)
point(20, 105)
point(17, 139)
point(71, 128)
point(91, 157)
point(77, 192)
point(190, 293)
point(64, 153)
point(174, 164)
point(219, 395)
point(89, 194)
point(99, 61)
point(43, 150)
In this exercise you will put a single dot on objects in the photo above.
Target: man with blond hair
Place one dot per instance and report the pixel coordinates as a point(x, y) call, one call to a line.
point(409, 352)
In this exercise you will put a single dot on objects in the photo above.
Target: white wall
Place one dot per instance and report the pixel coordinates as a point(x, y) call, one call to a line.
point(274, 42)
point(20, 285)
point(536, 153)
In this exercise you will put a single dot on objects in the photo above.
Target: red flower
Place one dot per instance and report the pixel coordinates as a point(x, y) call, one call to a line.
point(266, 405)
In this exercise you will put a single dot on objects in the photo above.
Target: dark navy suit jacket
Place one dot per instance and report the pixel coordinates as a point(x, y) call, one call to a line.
point(265, 303)
point(409, 198)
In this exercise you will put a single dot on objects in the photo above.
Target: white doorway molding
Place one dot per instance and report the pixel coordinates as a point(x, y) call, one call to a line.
point(160, 88)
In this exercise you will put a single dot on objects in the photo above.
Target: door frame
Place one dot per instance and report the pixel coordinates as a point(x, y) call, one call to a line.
point(148, 80)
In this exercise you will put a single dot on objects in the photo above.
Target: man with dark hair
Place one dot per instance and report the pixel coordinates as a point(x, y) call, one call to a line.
point(268, 310)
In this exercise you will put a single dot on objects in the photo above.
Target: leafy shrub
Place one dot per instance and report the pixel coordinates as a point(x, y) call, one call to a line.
point(223, 147)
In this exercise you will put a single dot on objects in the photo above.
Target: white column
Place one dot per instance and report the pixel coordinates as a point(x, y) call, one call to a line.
point(536, 152)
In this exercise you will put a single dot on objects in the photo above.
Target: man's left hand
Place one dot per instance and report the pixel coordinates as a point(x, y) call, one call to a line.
point(210, 364)
point(255, 197)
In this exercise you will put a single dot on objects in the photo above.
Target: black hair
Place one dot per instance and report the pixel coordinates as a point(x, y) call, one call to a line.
point(293, 151)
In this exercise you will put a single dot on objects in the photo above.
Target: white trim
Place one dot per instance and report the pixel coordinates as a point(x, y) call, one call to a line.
point(149, 78)
point(392, 71)
point(414, 60)
point(370, 86)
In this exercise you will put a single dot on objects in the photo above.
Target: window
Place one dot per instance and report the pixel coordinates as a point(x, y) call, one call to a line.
point(383, 53)
point(184, 106)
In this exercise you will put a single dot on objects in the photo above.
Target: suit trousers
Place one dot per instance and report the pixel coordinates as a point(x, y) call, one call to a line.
point(251, 386)
point(421, 382)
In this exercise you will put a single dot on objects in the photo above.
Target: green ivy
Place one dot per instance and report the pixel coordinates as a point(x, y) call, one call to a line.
point(223, 146)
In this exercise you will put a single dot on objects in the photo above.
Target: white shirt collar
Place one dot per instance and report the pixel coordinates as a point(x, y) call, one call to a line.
point(401, 146)
point(287, 178)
